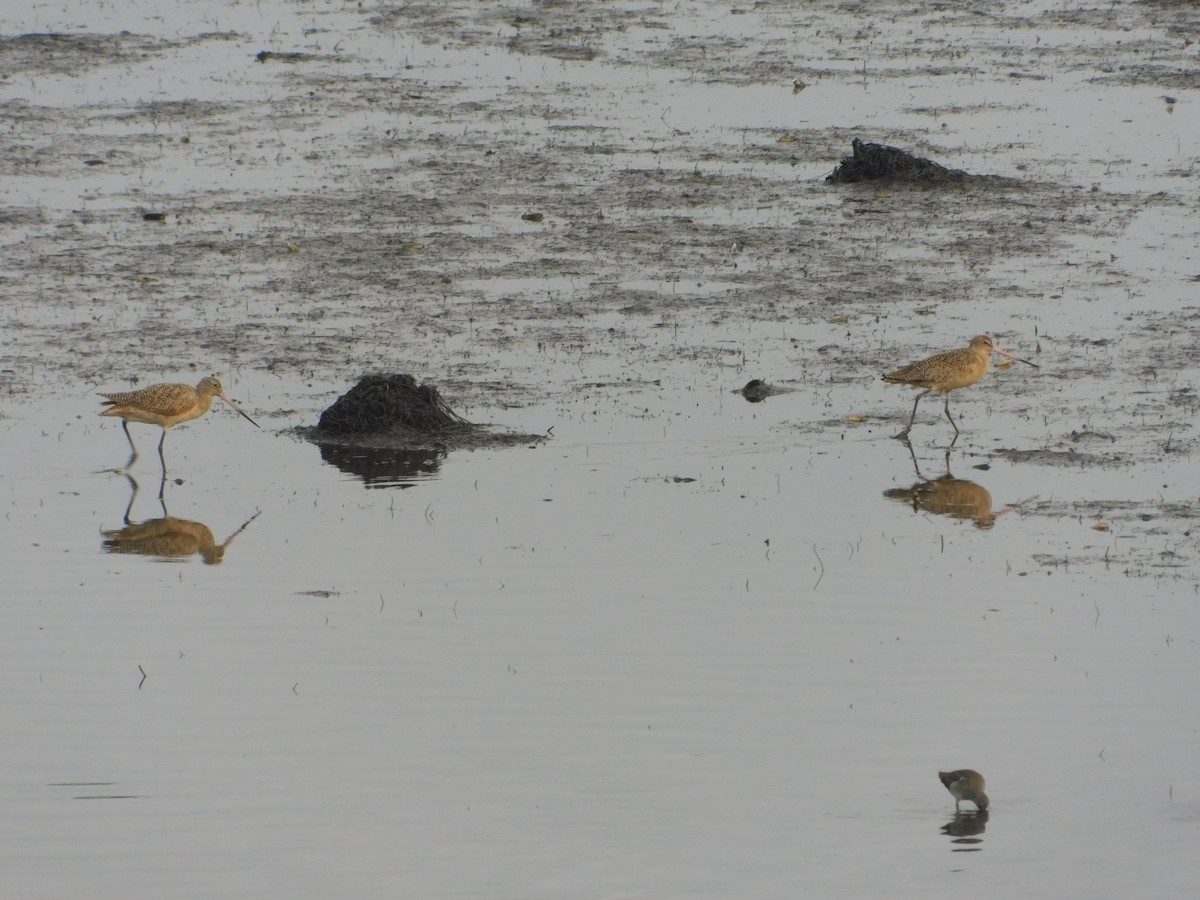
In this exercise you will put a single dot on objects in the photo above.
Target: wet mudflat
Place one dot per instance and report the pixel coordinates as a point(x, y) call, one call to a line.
point(688, 645)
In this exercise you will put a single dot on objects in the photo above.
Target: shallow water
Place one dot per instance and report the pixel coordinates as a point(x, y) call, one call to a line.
point(688, 646)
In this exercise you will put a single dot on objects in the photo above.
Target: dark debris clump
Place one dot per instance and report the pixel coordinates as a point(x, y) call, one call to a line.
point(387, 404)
point(879, 162)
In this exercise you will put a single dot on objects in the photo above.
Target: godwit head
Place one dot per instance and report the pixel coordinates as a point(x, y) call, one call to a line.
point(211, 387)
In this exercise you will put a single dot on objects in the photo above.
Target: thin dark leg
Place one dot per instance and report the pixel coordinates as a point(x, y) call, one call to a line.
point(903, 436)
point(916, 465)
point(133, 492)
point(133, 449)
point(162, 459)
point(948, 414)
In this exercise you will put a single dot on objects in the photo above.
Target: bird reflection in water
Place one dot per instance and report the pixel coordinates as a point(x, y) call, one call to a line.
point(965, 828)
point(948, 496)
point(167, 538)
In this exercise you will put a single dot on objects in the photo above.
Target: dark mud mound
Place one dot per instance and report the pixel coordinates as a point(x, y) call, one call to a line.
point(879, 162)
point(391, 404)
point(391, 429)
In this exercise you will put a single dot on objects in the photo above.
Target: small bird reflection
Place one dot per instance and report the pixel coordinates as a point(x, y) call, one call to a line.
point(965, 828)
point(948, 496)
point(166, 538)
point(385, 466)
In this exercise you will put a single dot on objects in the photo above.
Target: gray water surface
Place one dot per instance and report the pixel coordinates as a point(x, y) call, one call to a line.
point(687, 646)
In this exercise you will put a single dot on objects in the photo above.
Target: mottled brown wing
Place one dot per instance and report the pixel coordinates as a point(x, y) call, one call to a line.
point(162, 399)
point(932, 369)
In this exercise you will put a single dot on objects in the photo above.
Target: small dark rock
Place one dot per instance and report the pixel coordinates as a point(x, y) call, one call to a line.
point(756, 390)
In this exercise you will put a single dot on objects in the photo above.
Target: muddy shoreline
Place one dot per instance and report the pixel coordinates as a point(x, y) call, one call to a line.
point(359, 201)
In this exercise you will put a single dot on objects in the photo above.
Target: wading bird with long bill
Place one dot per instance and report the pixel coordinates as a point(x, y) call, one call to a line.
point(948, 372)
point(165, 405)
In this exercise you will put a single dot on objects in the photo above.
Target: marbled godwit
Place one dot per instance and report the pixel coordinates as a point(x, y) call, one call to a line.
point(965, 784)
point(948, 372)
point(165, 405)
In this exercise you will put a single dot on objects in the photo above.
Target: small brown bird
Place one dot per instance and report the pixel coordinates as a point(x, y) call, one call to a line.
point(965, 784)
point(948, 372)
point(166, 405)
